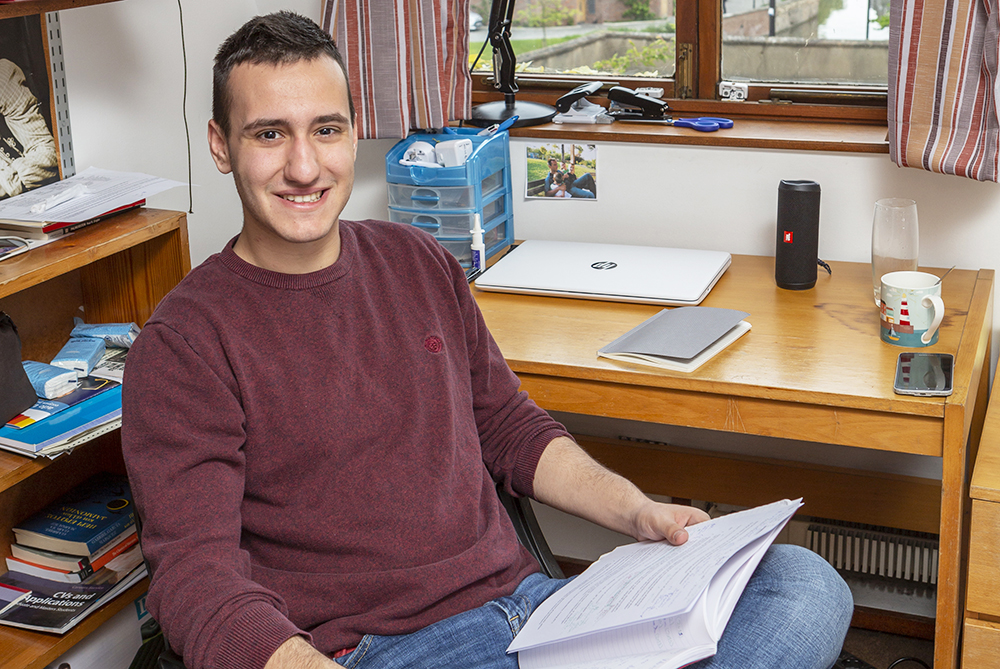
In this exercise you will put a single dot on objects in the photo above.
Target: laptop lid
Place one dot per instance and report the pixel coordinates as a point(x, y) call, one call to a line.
point(614, 272)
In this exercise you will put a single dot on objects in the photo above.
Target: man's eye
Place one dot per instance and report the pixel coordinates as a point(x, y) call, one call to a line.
point(269, 135)
point(327, 131)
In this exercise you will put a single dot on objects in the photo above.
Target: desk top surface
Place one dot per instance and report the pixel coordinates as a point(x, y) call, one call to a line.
point(820, 346)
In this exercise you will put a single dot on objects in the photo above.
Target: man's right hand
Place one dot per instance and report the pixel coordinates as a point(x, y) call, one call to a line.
point(296, 653)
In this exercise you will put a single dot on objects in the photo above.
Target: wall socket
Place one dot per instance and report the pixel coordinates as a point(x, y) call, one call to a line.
point(735, 92)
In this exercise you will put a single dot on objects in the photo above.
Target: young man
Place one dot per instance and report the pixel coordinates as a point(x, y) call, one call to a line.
point(316, 416)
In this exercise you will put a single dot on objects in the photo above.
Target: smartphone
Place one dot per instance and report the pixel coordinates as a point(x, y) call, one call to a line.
point(925, 374)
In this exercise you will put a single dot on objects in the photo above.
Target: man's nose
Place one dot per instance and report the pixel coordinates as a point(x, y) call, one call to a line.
point(303, 164)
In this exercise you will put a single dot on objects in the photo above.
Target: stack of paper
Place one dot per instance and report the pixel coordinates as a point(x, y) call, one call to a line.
point(681, 339)
point(652, 605)
point(77, 201)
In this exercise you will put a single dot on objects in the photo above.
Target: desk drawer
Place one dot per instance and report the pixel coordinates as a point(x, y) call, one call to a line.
point(980, 644)
point(984, 559)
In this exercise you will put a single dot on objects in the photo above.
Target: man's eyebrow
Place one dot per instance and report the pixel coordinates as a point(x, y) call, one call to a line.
point(262, 123)
point(336, 117)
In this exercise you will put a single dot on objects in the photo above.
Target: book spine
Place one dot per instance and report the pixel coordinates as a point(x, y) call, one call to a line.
point(107, 556)
point(66, 228)
point(98, 541)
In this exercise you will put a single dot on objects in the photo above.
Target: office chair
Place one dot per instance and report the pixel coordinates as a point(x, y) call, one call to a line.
point(525, 524)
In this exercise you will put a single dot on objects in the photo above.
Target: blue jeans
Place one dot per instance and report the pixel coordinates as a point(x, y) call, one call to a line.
point(794, 613)
point(584, 186)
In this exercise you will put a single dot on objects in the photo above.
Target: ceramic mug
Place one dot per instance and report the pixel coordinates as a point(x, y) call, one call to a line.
point(912, 309)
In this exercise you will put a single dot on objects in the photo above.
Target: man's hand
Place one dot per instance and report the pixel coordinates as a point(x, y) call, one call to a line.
point(296, 653)
point(654, 521)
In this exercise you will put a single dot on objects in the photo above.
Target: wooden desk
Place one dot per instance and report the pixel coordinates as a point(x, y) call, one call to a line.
point(787, 378)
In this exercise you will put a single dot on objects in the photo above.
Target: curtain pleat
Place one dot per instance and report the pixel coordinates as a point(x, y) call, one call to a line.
point(943, 113)
point(407, 61)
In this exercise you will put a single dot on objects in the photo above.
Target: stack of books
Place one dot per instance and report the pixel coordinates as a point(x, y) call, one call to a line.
point(73, 556)
point(53, 427)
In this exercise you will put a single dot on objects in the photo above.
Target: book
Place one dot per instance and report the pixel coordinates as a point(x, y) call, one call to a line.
point(67, 562)
point(118, 568)
point(90, 414)
point(84, 520)
point(680, 339)
point(89, 386)
point(112, 364)
point(59, 607)
point(48, 230)
point(68, 568)
point(652, 604)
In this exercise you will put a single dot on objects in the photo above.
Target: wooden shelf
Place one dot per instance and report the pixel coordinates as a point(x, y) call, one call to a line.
point(85, 246)
point(25, 649)
point(26, 7)
point(112, 272)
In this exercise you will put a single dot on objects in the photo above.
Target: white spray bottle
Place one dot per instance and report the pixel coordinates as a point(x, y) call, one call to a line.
point(478, 247)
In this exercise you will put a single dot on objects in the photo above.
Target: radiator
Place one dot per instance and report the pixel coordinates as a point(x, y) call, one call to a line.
point(876, 551)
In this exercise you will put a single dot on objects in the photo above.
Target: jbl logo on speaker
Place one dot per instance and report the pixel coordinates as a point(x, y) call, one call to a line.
point(788, 236)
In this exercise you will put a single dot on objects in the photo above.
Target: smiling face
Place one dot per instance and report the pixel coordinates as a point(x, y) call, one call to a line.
point(291, 149)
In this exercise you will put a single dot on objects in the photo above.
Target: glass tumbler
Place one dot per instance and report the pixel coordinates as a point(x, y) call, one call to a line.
point(895, 240)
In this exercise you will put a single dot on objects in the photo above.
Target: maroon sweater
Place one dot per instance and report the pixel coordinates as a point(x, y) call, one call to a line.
point(316, 453)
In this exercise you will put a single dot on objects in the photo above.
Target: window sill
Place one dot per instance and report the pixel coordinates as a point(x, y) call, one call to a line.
point(758, 125)
point(798, 135)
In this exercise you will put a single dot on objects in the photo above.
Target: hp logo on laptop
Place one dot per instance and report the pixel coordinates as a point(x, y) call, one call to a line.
point(604, 264)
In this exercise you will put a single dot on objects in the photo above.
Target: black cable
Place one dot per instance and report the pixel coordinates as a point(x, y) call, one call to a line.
point(187, 129)
point(472, 68)
point(909, 659)
point(824, 266)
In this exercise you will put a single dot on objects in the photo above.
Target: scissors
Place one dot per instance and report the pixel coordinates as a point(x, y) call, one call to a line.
point(702, 123)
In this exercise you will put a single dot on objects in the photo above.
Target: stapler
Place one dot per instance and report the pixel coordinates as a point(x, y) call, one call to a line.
point(627, 105)
point(573, 107)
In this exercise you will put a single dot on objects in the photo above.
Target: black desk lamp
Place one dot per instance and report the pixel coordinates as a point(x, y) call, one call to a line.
point(528, 113)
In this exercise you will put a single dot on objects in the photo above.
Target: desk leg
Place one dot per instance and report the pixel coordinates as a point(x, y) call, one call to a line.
point(959, 453)
point(954, 486)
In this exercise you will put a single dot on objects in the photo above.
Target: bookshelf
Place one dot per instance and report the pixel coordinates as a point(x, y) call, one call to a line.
point(116, 271)
point(26, 7)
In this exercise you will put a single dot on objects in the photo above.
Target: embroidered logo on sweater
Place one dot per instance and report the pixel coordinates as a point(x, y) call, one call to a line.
point(434, 344)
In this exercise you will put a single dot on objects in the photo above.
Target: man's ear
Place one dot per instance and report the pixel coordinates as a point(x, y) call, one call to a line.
point(219, 147)
point(354, 132)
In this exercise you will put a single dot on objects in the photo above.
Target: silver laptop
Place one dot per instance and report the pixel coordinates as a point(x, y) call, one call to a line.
point(619, 273)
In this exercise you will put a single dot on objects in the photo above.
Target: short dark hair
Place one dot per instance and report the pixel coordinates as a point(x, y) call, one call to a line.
point(274, 39)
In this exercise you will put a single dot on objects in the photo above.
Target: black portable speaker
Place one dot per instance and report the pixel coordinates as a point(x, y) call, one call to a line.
point(796, 250)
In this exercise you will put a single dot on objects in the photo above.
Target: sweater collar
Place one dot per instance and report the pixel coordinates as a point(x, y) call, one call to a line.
point(266, 277)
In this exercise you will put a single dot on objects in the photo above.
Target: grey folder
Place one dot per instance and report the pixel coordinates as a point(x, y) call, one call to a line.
point(615, 272)
point(681, 339)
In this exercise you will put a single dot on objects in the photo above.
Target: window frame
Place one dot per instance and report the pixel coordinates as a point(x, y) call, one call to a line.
point(699, 23)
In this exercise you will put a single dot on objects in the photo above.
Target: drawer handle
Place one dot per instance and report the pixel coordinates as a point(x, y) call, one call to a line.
point(426, 196)
point(426, 223)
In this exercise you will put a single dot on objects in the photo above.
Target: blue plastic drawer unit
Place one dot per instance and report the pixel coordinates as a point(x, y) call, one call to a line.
point(444, 200)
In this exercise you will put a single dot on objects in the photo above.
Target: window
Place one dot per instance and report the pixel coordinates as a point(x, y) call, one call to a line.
point(826, 55)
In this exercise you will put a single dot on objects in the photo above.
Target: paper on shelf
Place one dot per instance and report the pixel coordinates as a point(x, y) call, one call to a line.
point(106, 191)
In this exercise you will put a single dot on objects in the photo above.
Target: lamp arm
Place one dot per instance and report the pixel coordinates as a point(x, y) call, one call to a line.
point(504, 60)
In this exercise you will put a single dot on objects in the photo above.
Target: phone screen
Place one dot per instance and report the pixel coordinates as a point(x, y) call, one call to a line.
point(924, 373)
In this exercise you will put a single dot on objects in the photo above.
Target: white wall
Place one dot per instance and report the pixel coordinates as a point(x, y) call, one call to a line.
point(124, 78)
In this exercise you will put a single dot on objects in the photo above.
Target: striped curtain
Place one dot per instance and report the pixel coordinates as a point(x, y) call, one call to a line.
point(407, 61)
point(942, 86)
